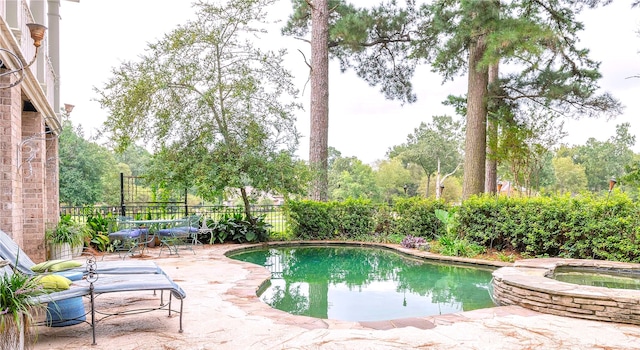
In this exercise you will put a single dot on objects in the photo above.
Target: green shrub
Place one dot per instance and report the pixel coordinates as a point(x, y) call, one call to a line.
point(416, 217)
point(354, 217)
point(311, 220)
point(236, 227)
point(99, 227)
point(584, 227)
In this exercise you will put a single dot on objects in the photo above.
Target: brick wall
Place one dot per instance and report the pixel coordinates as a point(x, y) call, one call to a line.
point(10, 182)
point(52, 182)
point(29, 195)
point(32, 168)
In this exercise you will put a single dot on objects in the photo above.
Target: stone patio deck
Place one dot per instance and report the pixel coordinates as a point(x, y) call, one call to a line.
point(222, 311)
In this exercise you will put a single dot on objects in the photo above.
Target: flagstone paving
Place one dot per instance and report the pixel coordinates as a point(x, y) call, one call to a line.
point(221, 311)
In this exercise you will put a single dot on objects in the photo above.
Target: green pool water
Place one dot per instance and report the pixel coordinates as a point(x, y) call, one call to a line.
point(366, 284)
point(598, 278)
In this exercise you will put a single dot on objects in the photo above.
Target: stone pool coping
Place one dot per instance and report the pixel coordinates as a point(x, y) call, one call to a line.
point(526, 284)
point(244, 293)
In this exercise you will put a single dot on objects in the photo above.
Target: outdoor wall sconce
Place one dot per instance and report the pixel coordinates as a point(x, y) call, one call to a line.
point(37, 34)
point(499, 187)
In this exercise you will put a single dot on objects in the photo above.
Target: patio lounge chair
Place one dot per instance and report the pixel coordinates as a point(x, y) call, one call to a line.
point(12, 252)
point(92, 286)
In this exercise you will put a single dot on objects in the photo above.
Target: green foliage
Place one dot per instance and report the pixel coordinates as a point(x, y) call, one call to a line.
point(449, 243)
point(416, 217)
point(584, 227)
point(391, 178)
point(351, 34)
point(345, 220)
point(453, 246)
point(102, 242)
point(17, 305)
point(311, 220)
point(570, 177)
point(350, 178)
point(354, 217)
point(430, 144)
point(235, 227)
point(99, 227)
point(218, 111)
point(506, 258)
point(67, 231)
point(603, 160)
point(447, 219)
point(523, 148)
point(83, 167)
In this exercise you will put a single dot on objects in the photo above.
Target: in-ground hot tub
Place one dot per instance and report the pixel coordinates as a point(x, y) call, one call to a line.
point(529, 283)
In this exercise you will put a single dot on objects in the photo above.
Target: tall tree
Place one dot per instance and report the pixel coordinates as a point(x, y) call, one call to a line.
point(394, 180)
point(524, 146)
point(338, 28)
point(217, 110)
point(350, 178)
point(83, 167)
point(605, 159)
point(319, 135)
point(491, 171)
point(137, 157)
point(383, 45)
point(570, 177)
point(431, 145)
point(539, 36)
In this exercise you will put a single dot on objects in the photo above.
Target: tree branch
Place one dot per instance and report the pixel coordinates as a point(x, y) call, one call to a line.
point(310, 69)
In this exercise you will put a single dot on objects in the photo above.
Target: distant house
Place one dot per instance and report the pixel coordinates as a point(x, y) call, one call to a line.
point(275, 199)
point(29, 123)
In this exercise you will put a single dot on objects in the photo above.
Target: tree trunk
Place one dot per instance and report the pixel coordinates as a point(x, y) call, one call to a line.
point(491, 178)
point(428, 185)
point(247, 205)
point(319, 135)
point(475, 145)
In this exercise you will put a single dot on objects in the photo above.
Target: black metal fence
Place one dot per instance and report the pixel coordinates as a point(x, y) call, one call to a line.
point(273, 214)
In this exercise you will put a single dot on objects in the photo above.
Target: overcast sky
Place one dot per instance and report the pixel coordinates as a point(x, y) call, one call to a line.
point(97, 35)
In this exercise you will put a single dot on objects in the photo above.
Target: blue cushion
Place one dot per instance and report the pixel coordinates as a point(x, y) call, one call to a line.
point(180, 230)
point(128, 233)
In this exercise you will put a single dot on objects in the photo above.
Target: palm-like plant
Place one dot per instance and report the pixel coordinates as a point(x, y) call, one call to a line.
point(17, 307)
point(67, 231)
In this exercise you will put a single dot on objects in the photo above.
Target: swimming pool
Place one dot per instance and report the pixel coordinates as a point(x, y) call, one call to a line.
point(354, 283)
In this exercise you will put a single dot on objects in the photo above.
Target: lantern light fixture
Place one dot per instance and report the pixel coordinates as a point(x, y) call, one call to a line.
point(37, 32)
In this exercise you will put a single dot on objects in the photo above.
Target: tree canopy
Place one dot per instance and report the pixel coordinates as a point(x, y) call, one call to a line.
point(433, 145)
point(84, 168)
point(536, 41)
point(217, 111)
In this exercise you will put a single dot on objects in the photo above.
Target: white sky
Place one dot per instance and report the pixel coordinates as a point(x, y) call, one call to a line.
point(97, 35)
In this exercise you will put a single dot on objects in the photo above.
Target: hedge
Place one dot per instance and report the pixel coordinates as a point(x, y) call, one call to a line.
point(583, 227)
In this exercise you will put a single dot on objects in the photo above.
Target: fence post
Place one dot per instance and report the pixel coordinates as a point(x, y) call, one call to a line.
point(186, 205)
point(123, 210)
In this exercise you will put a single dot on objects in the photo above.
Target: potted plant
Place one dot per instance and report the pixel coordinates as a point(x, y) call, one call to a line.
point(65, 237)
point(17, 308)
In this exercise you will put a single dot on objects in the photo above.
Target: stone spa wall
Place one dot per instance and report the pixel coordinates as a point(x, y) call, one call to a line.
point(526, 284)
